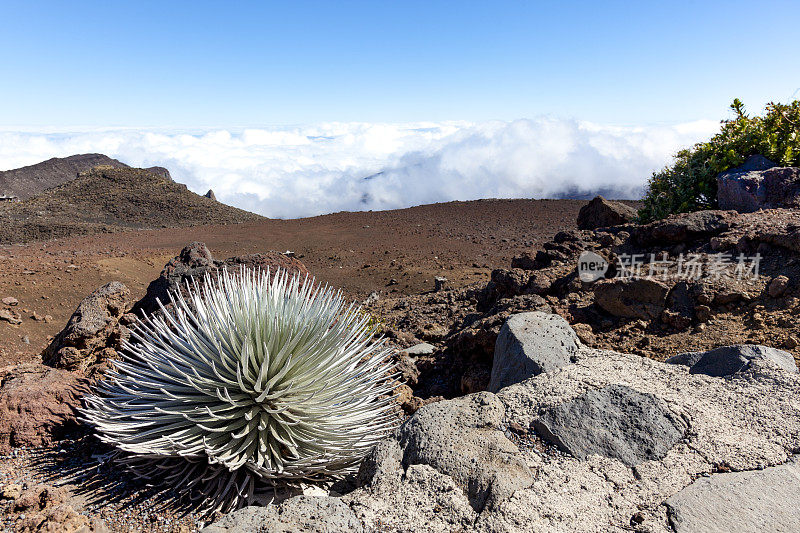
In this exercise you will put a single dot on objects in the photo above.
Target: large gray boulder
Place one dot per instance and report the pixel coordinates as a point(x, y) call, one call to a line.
point(602, 213)
point(640, 298)
point(740, 502)
point(728, 360)
point(444, 466)
point(529, 344)
point(308, 514)
point(758, 184)
point(461, 438)
point(615, 421)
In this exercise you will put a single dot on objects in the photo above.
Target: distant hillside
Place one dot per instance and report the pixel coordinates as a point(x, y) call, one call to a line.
point(107, 199)
point(29, 181)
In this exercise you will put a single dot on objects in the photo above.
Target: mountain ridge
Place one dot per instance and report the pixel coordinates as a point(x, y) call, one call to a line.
point(28, 181)
point(108, 199)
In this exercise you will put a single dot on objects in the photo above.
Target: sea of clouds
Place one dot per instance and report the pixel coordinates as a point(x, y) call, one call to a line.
point(288, 172)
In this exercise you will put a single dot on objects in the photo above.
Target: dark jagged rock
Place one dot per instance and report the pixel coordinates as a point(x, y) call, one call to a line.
point(758, 184)
point(748, 191)
point(632, 297)
point(615, 421)
point(685, 227)
point(602, 213)
point(92, 332)
point(210, 194)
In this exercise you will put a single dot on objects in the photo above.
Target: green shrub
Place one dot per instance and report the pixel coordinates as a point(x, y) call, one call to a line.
point(690, 184)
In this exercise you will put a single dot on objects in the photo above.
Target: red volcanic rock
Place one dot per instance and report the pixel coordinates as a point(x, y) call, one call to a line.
point(91, 330)
point(37, 404)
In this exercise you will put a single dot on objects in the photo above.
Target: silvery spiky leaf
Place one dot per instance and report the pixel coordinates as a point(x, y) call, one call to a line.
point(255, 377)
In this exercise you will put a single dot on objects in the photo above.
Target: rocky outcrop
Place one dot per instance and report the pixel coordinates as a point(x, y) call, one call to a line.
point(758, 184)
point(37, 404)
point(529, 344)
point(482, 462)
point(302, 514)
point(210, 195)
point(106, 199)
point(615, 421)
point(685, 227)
point(729, 360)
point(34, 179)
point(10, 316)
point(641, 298)
point(461, 438)
point(161, 172)
point(93, 332)
point(44, 508)
point(762, 500)
point(602, 213)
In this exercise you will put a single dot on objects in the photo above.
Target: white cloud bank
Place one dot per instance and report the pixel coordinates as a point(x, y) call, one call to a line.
point(310, 170)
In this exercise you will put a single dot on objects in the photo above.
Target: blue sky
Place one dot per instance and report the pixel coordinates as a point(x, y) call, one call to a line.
point(238, 64)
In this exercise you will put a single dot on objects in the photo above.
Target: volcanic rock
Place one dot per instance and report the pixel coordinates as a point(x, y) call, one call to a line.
point(615, 421)
point(34, 179)
point(10, 316)
point(685, 227)
point(43, 508)
point(529, 344)
point(728, 360)
point(762, 500)
point(107, 199)
point(602, 213)
point(422, 348)
point(195, 260)
point(307, 514)
point(461, 439)
point(91, 330)
point(431, 473)
point(641, 298)
point(758, 184)
point(37, 404)
point(777, 287)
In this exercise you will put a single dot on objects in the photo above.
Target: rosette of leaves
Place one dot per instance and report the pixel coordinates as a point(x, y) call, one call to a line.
point(246, 380)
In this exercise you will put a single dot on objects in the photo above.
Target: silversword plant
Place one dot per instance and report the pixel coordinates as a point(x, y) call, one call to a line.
point(248, 378)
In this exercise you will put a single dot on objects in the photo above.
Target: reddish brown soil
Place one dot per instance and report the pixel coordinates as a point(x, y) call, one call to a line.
point(359, 252)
